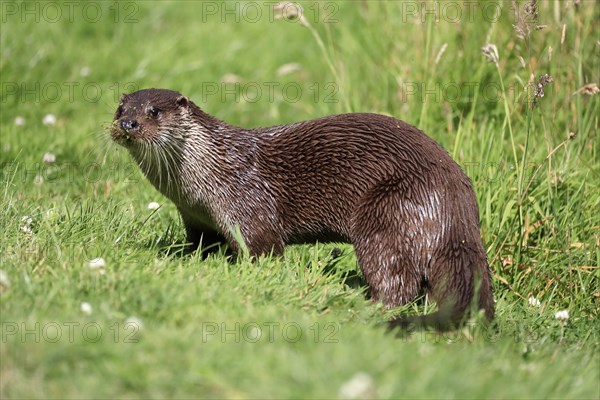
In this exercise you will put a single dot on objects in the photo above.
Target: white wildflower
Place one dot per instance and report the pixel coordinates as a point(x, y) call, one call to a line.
point(19, 121)
point(533, 302)
point(97, 263)
point(85, 71)
point(153, 206)
point(360, 386)
point(26, 222)
point(49, 120)
point(134, 327)
point(49, 158)
point(562, 315)
point(86, 308)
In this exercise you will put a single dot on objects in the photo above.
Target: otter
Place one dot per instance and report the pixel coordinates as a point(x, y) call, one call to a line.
point(366, 179)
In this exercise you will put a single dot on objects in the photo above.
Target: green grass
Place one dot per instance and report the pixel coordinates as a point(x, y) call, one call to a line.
point(301, 325)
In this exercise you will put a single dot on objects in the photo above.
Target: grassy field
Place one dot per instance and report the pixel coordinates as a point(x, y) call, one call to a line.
point(149, 322)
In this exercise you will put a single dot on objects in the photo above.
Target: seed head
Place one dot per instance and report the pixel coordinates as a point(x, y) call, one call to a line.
point(527, 19)
point(490, 51)
point(590, 89)
point(290, 11)
point(538, 91)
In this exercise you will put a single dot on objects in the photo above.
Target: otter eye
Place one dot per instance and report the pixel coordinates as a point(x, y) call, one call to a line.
point(152, 111)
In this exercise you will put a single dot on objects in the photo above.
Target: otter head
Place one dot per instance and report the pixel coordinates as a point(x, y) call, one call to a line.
point(154, 124)
point(147, 117)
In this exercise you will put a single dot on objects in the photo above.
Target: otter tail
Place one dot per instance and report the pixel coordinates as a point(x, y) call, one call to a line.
point(463, 289)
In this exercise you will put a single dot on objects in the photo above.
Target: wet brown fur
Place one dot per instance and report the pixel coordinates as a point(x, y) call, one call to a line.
point(367, 179)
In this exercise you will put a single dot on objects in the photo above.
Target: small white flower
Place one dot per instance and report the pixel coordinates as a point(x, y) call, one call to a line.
point(533, 302)
point(562, 315)
point(134, 325)
point(49, 120)
point(85, 71)
point(4, 282)
point(49, 158)
point(19, 121)
point(26, 222)
point(153, 206)
point(360, 386)
point(97, 263)
point(86, 308)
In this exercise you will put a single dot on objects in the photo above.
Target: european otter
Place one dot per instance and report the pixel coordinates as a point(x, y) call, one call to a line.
point(367, 179)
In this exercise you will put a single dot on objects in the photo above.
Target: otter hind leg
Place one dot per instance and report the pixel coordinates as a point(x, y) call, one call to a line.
point(384, 248)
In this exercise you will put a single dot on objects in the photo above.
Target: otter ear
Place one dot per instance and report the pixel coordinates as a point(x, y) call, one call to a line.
point(122, 98)
point(182, 101)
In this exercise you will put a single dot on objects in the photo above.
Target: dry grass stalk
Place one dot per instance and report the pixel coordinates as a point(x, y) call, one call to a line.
point(440, 53)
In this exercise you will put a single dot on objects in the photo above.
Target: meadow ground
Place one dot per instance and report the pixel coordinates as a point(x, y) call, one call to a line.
point(148, 322)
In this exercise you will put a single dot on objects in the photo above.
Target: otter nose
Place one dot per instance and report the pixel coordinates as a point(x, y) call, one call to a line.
point(128, 124)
